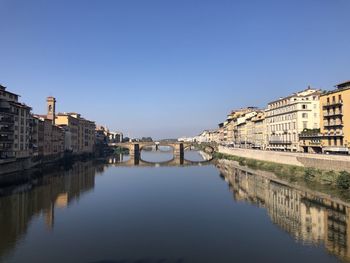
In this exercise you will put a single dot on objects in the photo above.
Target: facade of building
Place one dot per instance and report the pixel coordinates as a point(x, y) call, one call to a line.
point(7, 124)
point(104, 136)
point(334, 133)
point(23, 135)
point(47, 138)
point(115, 137)
point(232, 130)
point(37, 136)
point(259, 136)
point(81, 137)
point(287, 117)
point(245, 129)
point(335, 120)
point(15, 126)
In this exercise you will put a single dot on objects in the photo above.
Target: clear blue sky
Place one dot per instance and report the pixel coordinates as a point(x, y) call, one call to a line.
point(167, 68)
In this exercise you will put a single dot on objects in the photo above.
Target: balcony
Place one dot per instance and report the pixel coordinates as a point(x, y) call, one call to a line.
point(6, 130)
point(332, 103)
point(334, 124)
point(7, 120)
point(280, 142)
point(332, 113)
point(333, 134)
point(310, 135)
point(312, 142)
point(4, 139)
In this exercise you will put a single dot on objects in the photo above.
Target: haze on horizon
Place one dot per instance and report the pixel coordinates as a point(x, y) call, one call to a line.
point(169, 68)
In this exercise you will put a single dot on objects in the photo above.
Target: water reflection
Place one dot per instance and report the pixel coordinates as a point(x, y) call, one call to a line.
point(176, 209)
point(308, 216)
point(39, 197)
point(160, 154)
point(163, 156)
point(197, 156)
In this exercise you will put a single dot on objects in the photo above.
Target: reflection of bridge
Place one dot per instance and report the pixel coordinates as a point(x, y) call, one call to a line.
point(136, 160)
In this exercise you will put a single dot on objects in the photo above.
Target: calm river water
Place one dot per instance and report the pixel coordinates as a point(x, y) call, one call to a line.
point(167, 212)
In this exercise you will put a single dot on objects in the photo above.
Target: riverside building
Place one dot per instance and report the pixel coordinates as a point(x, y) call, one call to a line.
point(234, 131)
point(259, 131)
point(287, 117)
point(334, 133)
point(15, 127)
point(81, 132)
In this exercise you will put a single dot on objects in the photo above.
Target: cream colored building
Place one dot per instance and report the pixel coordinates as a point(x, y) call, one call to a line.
point(244, 130)
point(207, 136)
point(259, 136)
point(231, 130)
point(287, 117)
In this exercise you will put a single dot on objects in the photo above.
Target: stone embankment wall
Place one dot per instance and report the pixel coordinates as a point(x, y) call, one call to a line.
point(319, 161)
point(28, 163)
point(19, 165)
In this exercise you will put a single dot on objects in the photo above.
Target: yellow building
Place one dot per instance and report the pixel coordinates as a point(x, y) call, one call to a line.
point(81, 131)
point(334, 133)
point(335, 119)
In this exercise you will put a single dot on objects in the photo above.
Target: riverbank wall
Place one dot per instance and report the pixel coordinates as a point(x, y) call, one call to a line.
point(318, 161)
point(25, 164)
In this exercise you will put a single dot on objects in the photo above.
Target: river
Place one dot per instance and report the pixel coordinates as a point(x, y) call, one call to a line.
point(161, 211)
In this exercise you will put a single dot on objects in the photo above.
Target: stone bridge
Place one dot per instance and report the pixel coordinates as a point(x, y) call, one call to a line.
point(135, 148)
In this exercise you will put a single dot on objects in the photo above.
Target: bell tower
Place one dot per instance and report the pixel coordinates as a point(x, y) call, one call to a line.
point(51, 109)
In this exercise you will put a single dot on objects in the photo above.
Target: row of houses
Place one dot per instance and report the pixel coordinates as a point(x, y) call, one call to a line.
point(105, 136)
point(24, 135)
point(311, 120)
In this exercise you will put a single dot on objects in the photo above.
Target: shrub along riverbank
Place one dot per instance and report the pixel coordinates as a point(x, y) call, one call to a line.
point(293, 173)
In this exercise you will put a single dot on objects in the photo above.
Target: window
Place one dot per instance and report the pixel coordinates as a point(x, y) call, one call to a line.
point(304, 106)
point(304, 115)
point(304, 124)
point(339, 97)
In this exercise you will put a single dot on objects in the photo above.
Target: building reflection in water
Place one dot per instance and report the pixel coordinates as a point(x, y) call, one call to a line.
point(308, 216)
point(40, 197)
point(118, 158)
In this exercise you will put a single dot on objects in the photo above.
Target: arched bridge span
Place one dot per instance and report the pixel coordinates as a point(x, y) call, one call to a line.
point(135, 148)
